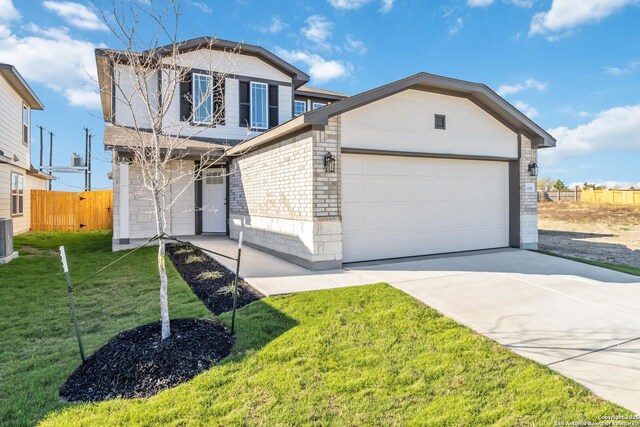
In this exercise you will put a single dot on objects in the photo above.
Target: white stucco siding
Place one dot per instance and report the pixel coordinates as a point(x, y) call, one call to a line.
point(405, 122)
point(130, 105)
point(231, 63)
point(11, 125)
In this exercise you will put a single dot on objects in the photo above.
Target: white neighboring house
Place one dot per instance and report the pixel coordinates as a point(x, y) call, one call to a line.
point(17, 176)
point(423, 165)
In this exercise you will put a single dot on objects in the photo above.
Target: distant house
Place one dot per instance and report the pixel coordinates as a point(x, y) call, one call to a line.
point(423, 165)
point(17, 176)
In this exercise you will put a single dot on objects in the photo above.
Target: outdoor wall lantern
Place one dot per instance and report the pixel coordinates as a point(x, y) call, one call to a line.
point(533, 169)
point(329, 162)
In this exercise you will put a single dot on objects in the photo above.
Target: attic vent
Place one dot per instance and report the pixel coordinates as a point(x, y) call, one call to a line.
point(440, 121)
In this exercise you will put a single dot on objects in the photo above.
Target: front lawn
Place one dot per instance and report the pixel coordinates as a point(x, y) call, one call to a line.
point(365, 355)
point(38, 347)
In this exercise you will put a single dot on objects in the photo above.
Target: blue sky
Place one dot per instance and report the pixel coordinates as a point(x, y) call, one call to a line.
point(571, 65)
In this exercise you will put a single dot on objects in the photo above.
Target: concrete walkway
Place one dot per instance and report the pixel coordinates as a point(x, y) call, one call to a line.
point(580, 320)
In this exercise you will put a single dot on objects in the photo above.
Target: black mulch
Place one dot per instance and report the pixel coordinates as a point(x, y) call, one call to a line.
point(137, 363)
point(214, 291)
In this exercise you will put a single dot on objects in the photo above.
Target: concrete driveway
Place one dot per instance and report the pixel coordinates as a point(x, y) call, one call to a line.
point(580, 320)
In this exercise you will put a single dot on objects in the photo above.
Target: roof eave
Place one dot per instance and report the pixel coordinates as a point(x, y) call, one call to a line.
point(18, 83)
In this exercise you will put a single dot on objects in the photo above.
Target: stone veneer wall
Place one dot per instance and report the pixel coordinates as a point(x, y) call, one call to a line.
point(283, 200)
point(528, 200)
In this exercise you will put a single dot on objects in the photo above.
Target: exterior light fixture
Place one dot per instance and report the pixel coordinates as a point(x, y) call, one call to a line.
point(533, 169)
point(329, 162)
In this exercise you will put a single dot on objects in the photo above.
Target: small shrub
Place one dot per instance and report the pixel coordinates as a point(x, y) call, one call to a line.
point(209, 275)
point(225, 290)
point(194, 258)
point(184, 250)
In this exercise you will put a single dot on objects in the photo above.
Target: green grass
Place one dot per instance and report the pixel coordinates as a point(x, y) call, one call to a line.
point(618, 267)
point(38, 348)
point(364, 355)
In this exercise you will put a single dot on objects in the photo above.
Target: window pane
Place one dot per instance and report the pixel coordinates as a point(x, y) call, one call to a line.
point(20, 204)
point(20, 182)
point(25, 124)
point(317, 105)
point(202, 99)
point(259, 105)
point(14, 204)
point(299, 107)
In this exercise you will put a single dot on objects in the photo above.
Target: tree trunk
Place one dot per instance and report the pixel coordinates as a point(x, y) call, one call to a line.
point(164, 299)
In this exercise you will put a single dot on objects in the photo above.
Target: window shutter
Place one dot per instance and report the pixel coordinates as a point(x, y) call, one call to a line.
point(186, 98)
point(219, 100)
point(244, 104)
point(273, 106)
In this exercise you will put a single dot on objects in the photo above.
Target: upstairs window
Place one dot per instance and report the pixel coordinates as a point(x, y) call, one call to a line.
point(259, 105)
point(202, 98)
point(317, 105)
point(17, 194)
point(299, 107)
point(25, 124)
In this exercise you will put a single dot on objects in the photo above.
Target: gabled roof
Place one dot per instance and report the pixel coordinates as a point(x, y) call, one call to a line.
point(478, 93)
point(319, 93)
point(103, 57)
point(20, 86)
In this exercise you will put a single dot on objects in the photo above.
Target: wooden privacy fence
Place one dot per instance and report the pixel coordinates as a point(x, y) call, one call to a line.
point(562, 196)
point(616, 197)
point(71, 211)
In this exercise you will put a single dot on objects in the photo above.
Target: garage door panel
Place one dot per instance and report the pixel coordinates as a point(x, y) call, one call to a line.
point(400, 206)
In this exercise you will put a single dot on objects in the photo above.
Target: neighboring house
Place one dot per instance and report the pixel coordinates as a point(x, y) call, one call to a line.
point(310, 98)
point(17, 176)
point(423, 165)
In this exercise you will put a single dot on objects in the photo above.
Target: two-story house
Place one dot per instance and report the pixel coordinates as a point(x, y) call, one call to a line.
point(17, 176)
point(423, 165)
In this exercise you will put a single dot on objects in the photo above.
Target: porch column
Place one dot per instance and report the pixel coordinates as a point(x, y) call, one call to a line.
point(124, 203)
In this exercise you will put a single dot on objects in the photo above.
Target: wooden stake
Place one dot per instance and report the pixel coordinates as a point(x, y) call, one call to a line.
point(235, 286)
point(65, 267)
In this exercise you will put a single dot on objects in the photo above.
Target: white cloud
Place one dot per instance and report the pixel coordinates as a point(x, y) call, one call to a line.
point(318, 31)
point(55, 59)
point(456, 26)
point(320, 69)
point(568, 14)
point(479, 3)
point(76, 14)
point(386, 6)
point(521, 3)
point(275, 26)
point(8, 11)
point(526, 109)
point(616, 128)
point(506, 89)
point(204, 8)
point(354, 45)
point(630, 68)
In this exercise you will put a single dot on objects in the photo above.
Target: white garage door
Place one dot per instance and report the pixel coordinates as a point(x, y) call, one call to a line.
point(407, 206)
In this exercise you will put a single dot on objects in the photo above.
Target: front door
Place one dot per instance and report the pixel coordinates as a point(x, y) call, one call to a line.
point(214, 203)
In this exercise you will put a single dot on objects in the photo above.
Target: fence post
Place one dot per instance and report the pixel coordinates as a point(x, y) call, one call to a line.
point(65, 267)
point(235, 286)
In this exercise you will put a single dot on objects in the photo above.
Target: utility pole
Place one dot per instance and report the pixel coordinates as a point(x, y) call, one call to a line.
point(89, 161)
point(50, 157)
point(42, 128)
point(86, 159)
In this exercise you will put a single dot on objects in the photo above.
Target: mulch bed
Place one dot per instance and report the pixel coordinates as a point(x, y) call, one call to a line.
point(137, 363)
point(210, 280)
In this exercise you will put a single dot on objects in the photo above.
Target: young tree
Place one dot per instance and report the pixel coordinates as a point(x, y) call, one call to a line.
point(559, 186)
point(545, 184)
point(147, 73)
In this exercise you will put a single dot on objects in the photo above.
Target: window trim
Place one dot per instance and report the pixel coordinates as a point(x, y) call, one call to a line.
point(27, 125)
point(193, 96)
point(444, 121)
point(265, 105)
point(19, 194)
point(316, 105)
point(304, 107)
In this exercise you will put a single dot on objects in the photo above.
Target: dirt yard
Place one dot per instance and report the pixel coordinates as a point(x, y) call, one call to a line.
point(606, 233)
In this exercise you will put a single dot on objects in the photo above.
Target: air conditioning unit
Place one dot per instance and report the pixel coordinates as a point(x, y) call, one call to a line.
point(77, 161)
point(6, 240)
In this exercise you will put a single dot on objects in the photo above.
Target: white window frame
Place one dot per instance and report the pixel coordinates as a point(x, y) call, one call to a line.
point(209, 91)
point(265, 105)
point(26, 109)
point(18, 193)
point(316, 105)
point(304, 107)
